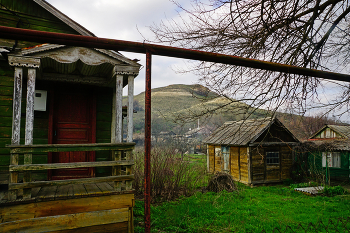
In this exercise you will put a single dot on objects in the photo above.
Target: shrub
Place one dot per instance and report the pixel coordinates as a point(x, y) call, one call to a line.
point(333, 191)
point(171, 177)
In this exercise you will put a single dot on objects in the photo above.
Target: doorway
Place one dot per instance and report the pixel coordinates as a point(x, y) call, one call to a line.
point(72, 121)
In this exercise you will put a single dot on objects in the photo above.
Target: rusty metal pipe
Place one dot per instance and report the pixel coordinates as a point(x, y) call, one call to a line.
point(147, 183)
point(120, 45)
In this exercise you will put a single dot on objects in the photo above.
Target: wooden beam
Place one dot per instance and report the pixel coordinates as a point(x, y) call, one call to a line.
point(23, 149)
point(65, 222)
point(59, 207)
point(130, 108)
point(38, 167)
point(71, 181)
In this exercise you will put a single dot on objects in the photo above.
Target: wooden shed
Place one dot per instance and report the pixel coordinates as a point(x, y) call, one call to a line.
point(252, 151)
point(331, 152)
point(63, 163)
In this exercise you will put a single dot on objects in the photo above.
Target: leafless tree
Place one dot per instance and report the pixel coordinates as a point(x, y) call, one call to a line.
point(307, 33)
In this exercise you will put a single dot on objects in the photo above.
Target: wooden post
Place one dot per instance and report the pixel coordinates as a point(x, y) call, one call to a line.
point(116, 127)
point(128, 184)
point(119, 109)
point(27, 176)
point(130, 108)
point(16, 126)
point(18, 62)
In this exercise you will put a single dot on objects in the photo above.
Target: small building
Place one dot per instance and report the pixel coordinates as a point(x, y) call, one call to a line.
point(252, 151)
point(330, 153)
point(64, 164)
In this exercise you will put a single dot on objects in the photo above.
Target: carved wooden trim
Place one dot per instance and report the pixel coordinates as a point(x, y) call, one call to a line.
point(24, 61)
point(128, 70)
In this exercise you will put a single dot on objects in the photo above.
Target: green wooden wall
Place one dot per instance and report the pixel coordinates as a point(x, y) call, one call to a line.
point(29, 15)
point(6, 96)
point(342, 173)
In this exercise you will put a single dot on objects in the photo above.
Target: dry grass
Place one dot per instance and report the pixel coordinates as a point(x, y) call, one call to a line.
point(221, 181)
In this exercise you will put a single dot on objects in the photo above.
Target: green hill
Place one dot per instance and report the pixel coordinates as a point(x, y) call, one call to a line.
point(177, 108)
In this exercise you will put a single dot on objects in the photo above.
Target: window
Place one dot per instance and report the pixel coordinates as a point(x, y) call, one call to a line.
point(332, 158)
point(226, 154)
point(272, 158)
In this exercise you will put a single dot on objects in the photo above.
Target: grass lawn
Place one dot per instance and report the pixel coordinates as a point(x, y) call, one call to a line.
point(248, 210)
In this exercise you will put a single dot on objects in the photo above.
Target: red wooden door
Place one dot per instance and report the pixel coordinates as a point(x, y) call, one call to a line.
point(73, 123)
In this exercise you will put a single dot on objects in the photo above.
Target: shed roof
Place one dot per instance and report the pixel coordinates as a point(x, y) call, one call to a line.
point(343, 130)
point(243, 132)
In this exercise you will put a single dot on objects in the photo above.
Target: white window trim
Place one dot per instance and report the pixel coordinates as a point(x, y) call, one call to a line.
point(333, 158)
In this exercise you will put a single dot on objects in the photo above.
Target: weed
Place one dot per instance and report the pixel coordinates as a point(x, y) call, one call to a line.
point(171, 177)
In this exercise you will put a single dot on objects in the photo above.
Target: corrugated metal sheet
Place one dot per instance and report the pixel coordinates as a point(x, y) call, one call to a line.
point(332, 144)
point(239, 132)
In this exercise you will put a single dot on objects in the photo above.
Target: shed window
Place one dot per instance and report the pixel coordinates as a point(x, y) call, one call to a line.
point(272, 157)
point(332, 158)
point(226, 154)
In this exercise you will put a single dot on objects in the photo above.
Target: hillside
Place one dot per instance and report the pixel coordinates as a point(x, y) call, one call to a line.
point(177, 107)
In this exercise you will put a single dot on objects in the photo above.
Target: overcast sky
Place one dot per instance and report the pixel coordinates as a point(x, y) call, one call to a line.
point(124, 20)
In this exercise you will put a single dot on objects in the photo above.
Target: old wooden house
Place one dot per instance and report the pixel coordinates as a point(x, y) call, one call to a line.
point(63, 163)
point(252, 151)
point(330, 153)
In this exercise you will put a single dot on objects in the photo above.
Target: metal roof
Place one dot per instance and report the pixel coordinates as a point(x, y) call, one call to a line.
point(240, 132)
point(330, 144)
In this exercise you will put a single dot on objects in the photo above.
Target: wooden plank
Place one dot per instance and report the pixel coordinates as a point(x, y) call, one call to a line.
point(92, 189)
point(121, 227)
point(47, 192)
point(62, 191)
point(35, 191)
point(71, 181)
point(79, 190)
point(105, 187)
point(23, 149)
point(37, 167)
point(69, 221)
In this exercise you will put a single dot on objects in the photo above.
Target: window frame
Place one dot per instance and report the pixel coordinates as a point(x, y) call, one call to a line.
point(333, 158)
point(272, 160)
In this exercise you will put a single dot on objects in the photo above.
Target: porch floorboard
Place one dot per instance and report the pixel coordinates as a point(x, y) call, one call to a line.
point(63, 192)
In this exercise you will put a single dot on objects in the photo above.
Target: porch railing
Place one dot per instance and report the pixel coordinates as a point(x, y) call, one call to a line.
point(117, 161)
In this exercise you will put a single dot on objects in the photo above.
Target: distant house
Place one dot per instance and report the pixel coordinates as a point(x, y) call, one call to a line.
point(333, 151)
point(252, 151)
